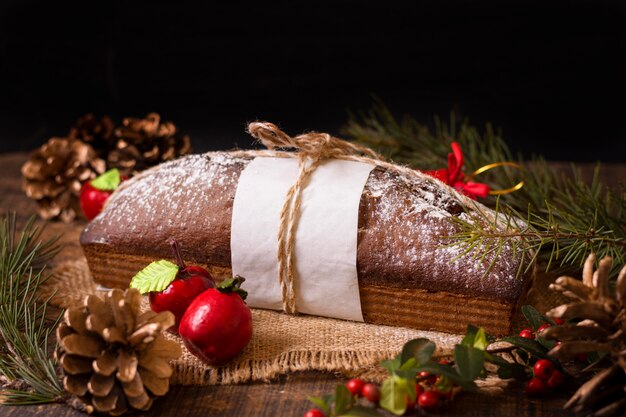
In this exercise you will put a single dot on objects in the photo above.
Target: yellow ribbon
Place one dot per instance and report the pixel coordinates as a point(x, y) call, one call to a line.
point(487, 167)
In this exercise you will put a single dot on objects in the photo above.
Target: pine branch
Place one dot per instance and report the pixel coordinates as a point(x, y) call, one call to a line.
point(560, 239)
point(25, 332)
point(566, 218)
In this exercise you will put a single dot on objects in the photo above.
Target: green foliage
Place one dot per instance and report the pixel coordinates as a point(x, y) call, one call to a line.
point(470, 357)
point(25, 332)
point(534, 317)
point(555, 218)
point(108, 181)
point(155, 277)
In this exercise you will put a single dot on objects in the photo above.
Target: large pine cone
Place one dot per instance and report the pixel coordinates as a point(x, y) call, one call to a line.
point(54, 174)
point(114, 357)
point(142, 143)
point(600, 316)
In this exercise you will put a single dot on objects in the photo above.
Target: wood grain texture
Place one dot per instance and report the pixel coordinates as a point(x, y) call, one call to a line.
point(286, 396)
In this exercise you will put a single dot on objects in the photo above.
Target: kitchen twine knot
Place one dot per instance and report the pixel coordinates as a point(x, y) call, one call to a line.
point(311, 149)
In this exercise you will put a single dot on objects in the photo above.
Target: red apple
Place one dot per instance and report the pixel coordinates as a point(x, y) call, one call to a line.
point(218, 323)
point(94, 193)
point(182, 285)
point(188, 284)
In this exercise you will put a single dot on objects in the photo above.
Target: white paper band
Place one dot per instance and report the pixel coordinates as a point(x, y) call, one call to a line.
point(326, 236)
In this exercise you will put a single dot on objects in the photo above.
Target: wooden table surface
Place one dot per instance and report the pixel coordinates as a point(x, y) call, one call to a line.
point(286, 396)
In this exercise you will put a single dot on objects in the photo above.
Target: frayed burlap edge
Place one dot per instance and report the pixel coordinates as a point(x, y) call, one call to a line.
point(284, 343)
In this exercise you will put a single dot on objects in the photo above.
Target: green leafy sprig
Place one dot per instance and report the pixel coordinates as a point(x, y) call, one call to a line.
point(25, 331)
point(468, 364)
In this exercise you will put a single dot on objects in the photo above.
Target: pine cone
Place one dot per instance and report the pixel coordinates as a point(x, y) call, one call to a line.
point(602, 327)
point(142, 143)
point(54, 175)
point(114, 357)
point(97, 133)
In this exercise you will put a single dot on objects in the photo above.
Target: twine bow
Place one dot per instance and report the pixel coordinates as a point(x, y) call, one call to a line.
point(311, 149)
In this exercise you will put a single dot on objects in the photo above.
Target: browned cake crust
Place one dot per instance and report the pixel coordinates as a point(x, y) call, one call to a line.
point(405, 269)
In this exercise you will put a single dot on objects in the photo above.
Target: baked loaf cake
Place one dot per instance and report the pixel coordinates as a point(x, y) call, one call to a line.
point(406, 273)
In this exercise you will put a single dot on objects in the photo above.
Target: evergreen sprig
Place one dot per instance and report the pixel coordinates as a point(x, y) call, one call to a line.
point(555, 218)
point(25, 330)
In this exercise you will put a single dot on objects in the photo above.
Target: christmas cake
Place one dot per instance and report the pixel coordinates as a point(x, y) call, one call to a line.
point(408, 273)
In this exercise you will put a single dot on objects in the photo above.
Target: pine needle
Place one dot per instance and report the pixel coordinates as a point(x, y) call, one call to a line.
point(25, 332)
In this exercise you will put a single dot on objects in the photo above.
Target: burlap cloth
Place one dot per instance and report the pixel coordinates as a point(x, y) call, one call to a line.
point(282, 343)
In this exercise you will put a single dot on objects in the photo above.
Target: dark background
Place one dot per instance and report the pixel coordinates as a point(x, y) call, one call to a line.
point(550, 73)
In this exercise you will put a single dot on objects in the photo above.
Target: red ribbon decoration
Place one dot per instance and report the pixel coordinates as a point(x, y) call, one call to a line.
point(453, 176)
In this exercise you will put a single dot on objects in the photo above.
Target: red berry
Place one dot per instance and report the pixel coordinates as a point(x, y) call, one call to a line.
point(543, 369)
point(556, 380)
point(543, 327)
point(559, 321)
point(371, 393)
point(427, 377)
point(535, 386)
point(314, 412)
point(527, 334)
point(445, 362)
point(355, 386)
point(418, 390)
point(429, 400)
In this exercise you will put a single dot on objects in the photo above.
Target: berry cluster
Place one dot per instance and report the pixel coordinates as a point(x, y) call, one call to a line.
point(545, 378)
point(528, 333)
point(545, 375)
point(430, 391)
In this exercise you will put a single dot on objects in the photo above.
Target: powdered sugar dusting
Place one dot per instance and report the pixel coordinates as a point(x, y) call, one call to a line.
point(402, 237)
point(409, 224)
point(166, 201)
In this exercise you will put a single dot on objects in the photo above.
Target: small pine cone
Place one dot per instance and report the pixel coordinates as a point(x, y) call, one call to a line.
point(97, 133)
point(54, 174)
point(115, 358)
point(142, 143)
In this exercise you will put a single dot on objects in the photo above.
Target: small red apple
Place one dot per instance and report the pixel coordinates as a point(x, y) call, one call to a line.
point(94, 193)
point(218, 323)
point(172, 287)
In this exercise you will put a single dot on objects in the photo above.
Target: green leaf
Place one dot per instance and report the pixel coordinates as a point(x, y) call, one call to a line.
point(108, 181)
point(512, 370)
point(444, 384)
point(421, 349)
point(321, 404)
point(343, 399)
point(470, 335)
point(360, 411)
point(531, 346)
point(407, 374)
point(391, 365)
point(533, 316)
point(548, 344)
point(449, 372)
point(475, 337)
point(393, 394)
point(233, 285)
point(469, 361)
point(155, 277)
